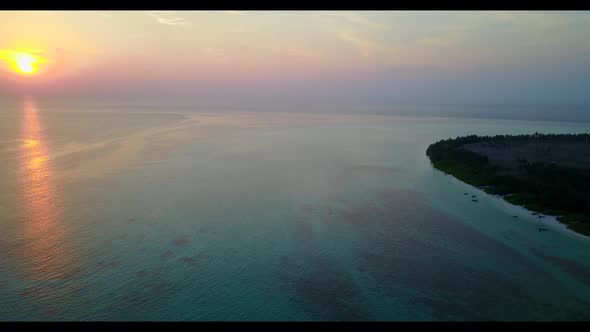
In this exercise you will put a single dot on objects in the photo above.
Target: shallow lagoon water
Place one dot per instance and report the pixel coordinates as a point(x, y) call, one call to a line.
point(266, 216)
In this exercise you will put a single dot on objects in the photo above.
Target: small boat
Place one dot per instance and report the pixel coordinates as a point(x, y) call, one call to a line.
point(541, 229)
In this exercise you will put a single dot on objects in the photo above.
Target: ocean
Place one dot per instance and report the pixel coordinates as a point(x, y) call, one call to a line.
point(158, 214)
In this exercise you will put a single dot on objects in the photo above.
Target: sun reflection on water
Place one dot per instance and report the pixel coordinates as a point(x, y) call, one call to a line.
point(44, 250)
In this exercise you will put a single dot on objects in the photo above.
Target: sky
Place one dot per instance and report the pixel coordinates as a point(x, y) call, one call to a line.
point(480, 57)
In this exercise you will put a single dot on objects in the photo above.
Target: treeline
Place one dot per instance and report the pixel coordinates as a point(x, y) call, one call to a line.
point(465, 165)
point(462, 140)
point(545, 188)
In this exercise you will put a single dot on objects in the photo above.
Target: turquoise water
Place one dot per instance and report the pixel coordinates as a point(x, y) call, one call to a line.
point(266, 216)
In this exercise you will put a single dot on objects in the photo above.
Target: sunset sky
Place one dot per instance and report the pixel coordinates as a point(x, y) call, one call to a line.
point(454, 56)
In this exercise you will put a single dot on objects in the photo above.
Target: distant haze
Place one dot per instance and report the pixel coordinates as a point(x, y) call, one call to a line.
point(493, 64)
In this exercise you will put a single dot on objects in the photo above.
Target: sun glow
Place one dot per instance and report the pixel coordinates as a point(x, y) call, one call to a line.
point(22, 62)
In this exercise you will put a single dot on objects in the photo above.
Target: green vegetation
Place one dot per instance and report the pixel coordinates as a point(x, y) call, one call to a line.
point(547, 188)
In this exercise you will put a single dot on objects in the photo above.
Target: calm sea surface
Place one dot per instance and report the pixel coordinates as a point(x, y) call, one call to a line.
point(157, 215)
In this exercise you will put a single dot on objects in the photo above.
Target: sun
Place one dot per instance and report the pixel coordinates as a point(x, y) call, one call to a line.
point(25, 63)
point(22, 62)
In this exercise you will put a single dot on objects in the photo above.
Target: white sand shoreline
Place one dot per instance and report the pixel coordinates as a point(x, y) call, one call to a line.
point(548, 221)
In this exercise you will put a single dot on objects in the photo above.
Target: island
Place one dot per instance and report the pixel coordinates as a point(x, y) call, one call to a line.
point(548, 174)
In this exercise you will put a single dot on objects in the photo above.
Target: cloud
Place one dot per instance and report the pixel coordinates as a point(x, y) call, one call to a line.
point(355, 19)
point(365, 46)
point(105, 15)
point(168, 18)
point(234, 12)
point(535, 20)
